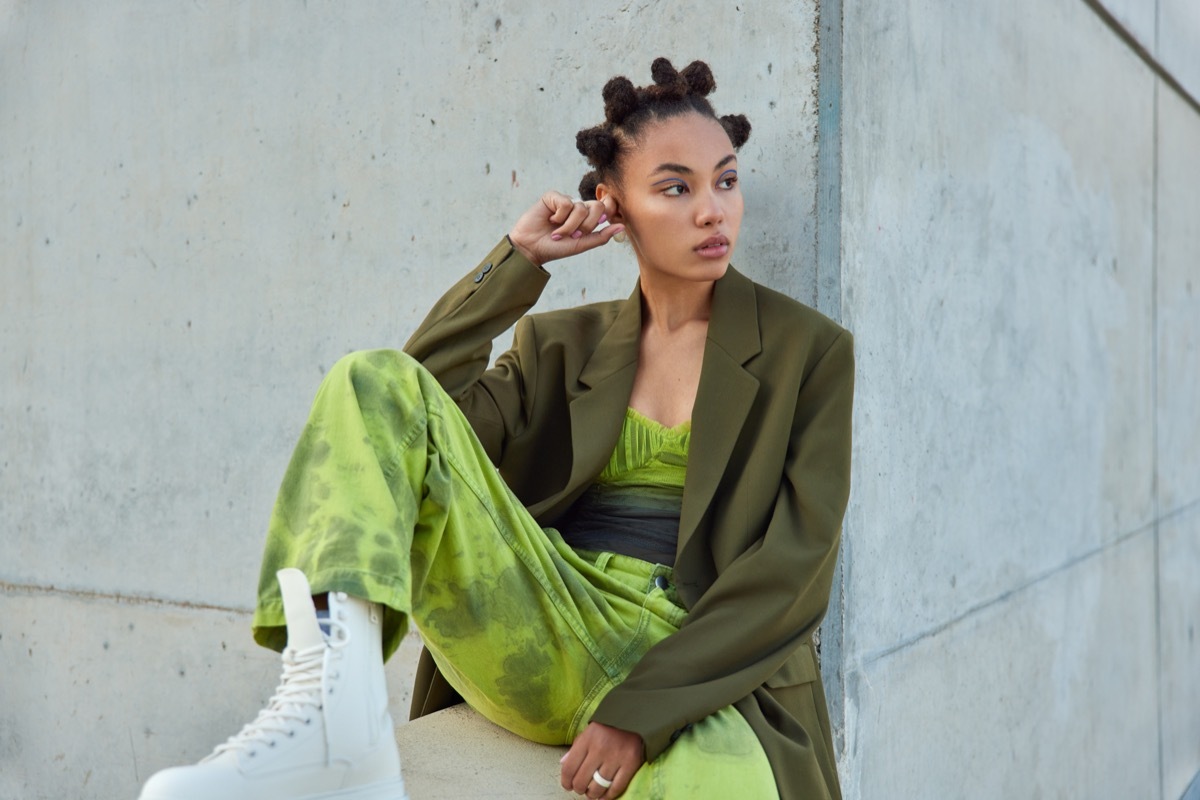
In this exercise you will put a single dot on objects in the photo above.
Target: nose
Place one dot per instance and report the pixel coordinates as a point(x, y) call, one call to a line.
point(709, 211)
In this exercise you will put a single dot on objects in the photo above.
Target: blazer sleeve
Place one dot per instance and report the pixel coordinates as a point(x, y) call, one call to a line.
point(454, 343)
point(771, 598)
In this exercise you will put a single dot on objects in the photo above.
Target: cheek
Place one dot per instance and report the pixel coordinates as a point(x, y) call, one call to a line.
point(734, 214)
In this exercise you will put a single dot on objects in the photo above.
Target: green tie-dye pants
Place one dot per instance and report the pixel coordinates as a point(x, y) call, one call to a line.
point(389, 496)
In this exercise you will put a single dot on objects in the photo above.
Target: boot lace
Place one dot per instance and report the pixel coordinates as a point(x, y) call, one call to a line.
point(297, 698)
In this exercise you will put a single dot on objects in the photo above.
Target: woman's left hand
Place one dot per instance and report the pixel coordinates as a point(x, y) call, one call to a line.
point(615, 754)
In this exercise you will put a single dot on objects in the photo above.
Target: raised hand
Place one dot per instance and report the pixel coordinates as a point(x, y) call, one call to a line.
point(557, 227)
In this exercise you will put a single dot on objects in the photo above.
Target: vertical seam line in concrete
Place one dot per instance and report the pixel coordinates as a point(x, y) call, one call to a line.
point(1154, 416)
point(829, 158)
point(829, 299)
point(1139, 49)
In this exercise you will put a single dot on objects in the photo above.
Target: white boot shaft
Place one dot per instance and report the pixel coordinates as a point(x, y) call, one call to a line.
point(326, 734)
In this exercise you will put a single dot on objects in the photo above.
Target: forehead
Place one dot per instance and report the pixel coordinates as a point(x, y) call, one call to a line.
point(691, 140)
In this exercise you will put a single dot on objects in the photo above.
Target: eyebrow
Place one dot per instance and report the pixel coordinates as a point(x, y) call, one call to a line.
point(680, 168)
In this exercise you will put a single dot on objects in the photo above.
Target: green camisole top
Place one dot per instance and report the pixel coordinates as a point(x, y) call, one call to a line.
point(633, 507)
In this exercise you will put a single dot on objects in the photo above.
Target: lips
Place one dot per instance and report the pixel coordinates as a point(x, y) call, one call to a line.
point(713, 247)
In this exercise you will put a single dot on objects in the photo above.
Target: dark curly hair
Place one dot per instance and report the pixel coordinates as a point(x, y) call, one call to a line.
point(629, 109)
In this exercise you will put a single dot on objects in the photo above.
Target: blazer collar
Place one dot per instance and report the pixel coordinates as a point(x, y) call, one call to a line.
point(733, 327)
point(725, 397)
point(723, 400)
point(598, 411)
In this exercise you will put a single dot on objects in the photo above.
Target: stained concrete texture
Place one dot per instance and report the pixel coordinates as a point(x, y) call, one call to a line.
point(1178, 246)
point(201, 209)
point(998, 277)
point(456, 753)
point(1049, 693)
point(1019, 280)
point(1179, 655)
point(99, 694)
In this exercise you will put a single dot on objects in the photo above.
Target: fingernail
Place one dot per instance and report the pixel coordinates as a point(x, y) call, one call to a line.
point(576, 234)
point(556, 236)
point(564, 758)
point(603, 217)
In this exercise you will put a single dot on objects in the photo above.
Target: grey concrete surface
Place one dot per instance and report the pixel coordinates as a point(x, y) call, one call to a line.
point(1178, 46)
point(456, 753)
point(1138, 17)
point(1016, 256)
point(202, 206)
point(1177, 236)
point(1179, 649)
point(1033, 697)
point(998, 277)
point(99, 694)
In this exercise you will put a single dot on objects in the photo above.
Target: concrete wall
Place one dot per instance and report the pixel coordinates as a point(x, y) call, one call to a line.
point(1021, 255)
point(202, 206)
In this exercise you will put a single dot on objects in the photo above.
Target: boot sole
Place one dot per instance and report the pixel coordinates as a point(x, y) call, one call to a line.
point(387, 790)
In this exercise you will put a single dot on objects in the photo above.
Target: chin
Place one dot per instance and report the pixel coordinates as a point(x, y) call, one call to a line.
point(712, 271)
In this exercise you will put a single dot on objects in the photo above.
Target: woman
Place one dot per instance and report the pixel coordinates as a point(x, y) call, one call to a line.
point(533, 519)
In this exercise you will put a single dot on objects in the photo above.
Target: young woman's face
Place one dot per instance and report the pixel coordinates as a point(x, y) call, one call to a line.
point(679, 199)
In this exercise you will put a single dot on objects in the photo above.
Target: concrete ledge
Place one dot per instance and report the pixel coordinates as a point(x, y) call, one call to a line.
point(457, 753)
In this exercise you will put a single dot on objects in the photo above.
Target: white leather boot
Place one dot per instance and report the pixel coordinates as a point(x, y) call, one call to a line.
point(325, 735)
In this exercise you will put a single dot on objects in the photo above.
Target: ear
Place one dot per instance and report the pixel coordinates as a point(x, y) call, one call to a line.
point(603, 190)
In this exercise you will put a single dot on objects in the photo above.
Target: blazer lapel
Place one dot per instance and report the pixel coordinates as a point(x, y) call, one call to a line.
point(597, 413)
point(725, 396)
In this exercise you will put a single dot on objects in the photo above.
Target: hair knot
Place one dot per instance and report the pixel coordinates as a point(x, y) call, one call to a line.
point(668, 83)
point(628, 110)
point(699, 78)
point(620, 99)
point(597, 145)
point(737, 127)
point(587, 186)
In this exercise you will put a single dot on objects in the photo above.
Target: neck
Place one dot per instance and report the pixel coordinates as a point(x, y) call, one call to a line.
point(669, 303)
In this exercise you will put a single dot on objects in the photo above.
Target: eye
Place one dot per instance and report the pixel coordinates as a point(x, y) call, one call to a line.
point(728, 181)
point(674, 190)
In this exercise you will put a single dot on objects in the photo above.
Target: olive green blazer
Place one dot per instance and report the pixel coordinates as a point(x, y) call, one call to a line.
point(767, 485)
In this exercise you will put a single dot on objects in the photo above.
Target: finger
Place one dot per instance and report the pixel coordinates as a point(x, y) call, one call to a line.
point(570, 225)
point(560, 206)
point(597, 214)
point(582, 781)
point(597, 238)
point(596, 789)
point(620, 781)
point(570, 766)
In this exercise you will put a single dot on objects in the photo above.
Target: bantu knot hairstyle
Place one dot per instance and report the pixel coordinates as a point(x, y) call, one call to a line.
point(628, 109)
